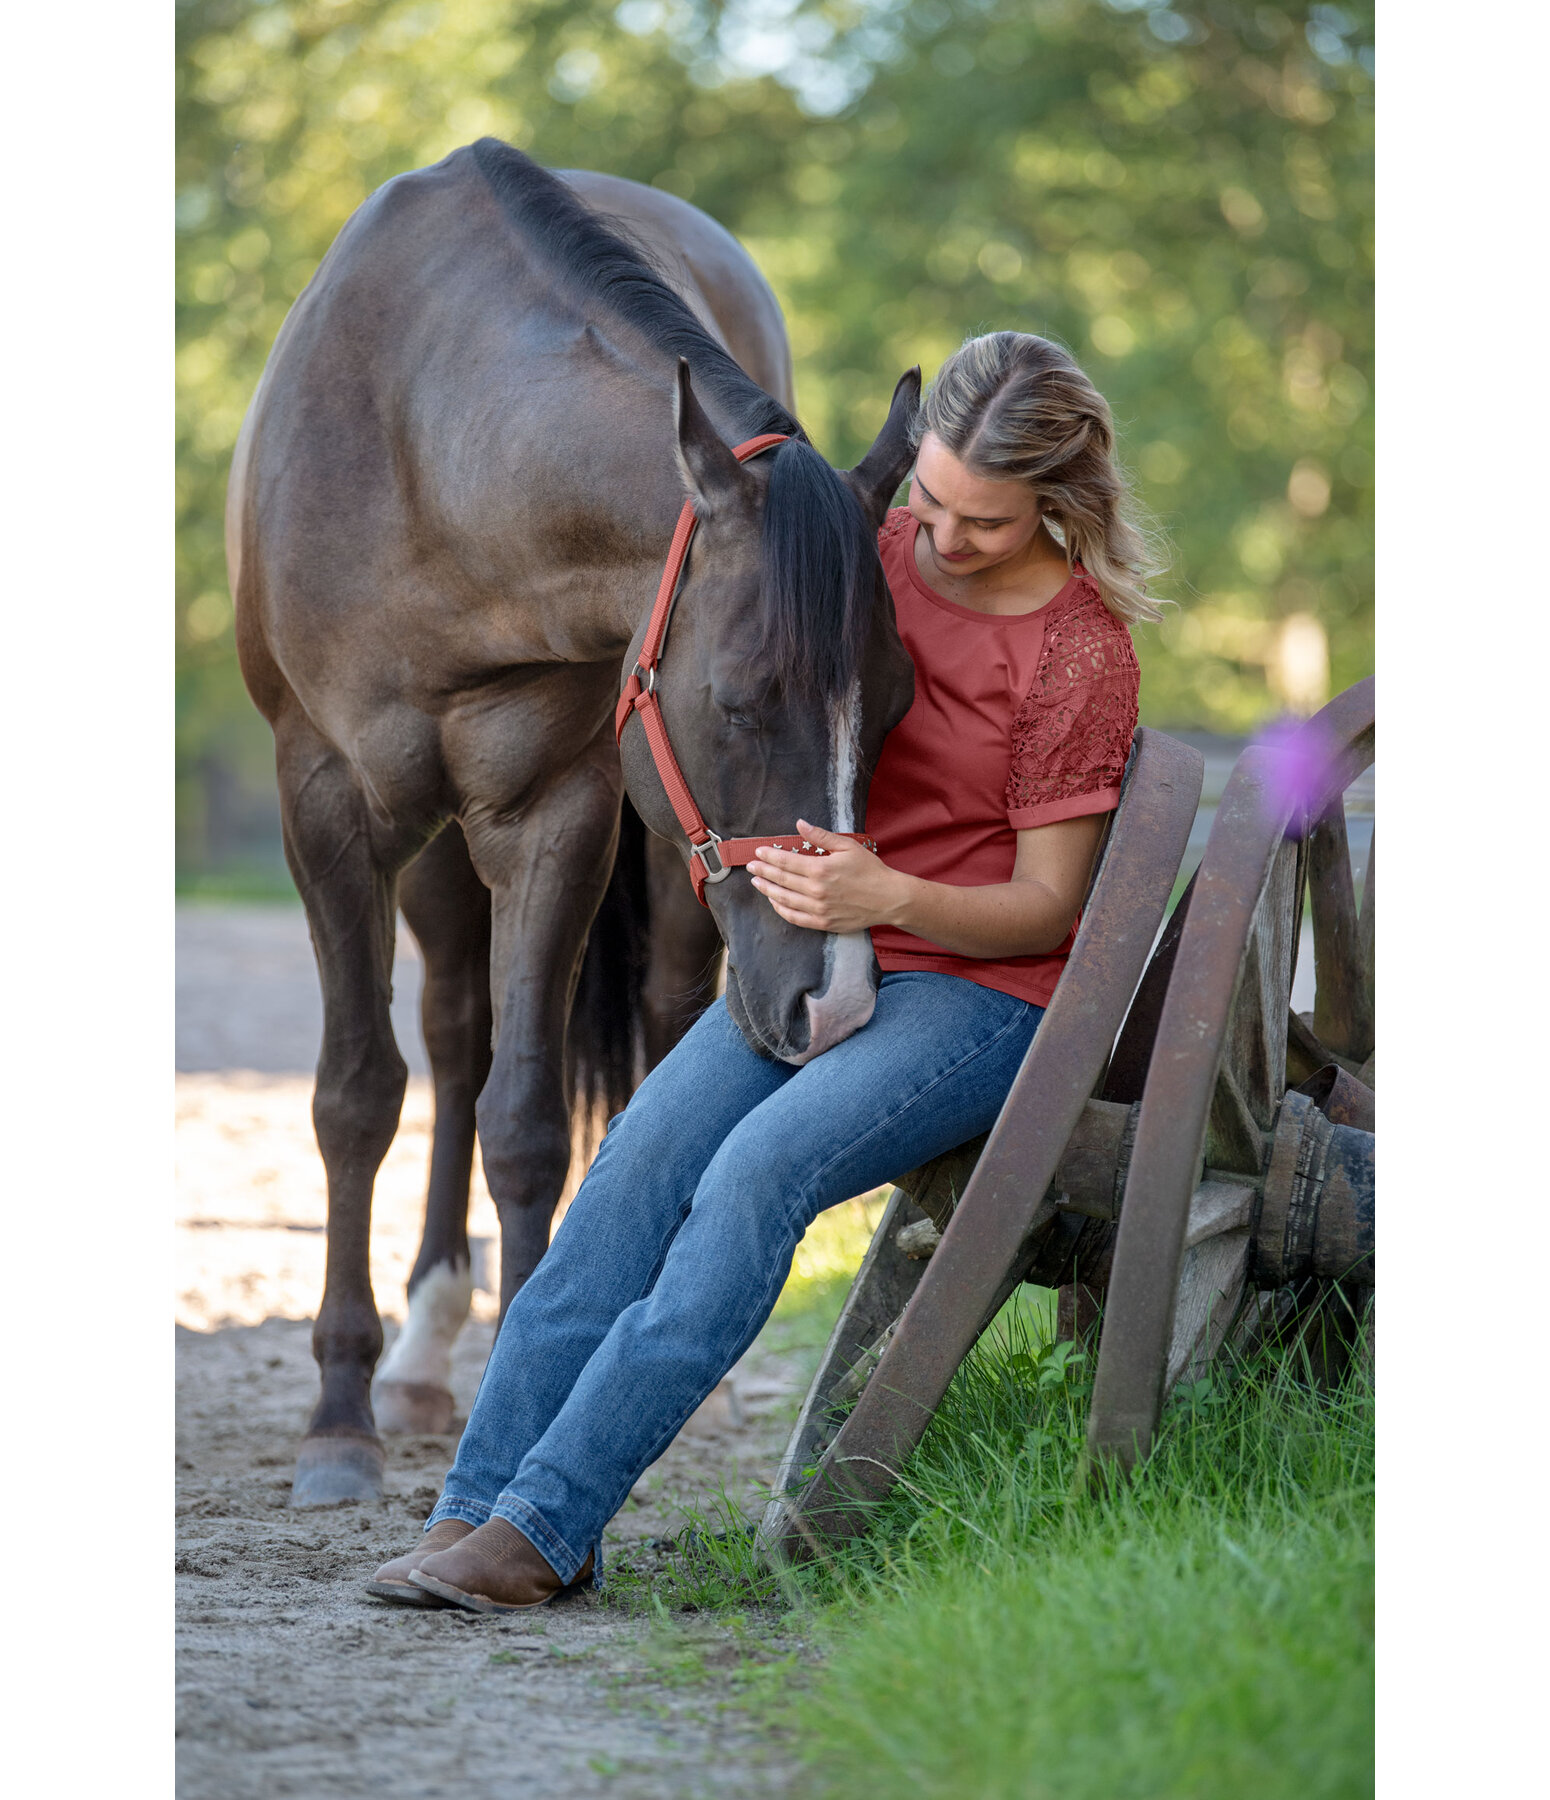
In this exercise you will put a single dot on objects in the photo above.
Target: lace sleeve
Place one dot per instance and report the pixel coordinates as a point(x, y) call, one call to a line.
point(1072, 733)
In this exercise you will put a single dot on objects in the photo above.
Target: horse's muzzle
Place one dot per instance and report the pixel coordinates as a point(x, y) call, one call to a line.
point(845, 1002)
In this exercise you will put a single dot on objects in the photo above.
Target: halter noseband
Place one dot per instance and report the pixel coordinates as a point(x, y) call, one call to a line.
point(711, 858)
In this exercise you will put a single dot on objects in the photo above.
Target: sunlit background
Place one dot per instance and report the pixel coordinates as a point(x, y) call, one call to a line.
point(1182, 194)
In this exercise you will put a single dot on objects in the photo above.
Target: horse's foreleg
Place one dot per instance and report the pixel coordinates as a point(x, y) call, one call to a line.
point(547, 872)
point(448, 909)
point(349, 898)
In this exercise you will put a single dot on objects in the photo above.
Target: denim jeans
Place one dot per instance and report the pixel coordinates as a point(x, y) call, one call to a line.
point(677, 1245)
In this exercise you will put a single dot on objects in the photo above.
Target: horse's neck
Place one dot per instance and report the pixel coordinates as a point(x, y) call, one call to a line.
point(602, 558)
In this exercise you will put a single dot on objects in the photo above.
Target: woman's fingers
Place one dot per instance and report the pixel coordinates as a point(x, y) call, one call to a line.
point(796, 909)
point(797, 880)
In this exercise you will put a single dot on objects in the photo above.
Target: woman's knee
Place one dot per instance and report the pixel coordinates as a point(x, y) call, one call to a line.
point(757, 1188)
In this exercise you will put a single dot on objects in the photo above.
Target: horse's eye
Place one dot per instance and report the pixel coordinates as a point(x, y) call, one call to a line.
point(744, 721)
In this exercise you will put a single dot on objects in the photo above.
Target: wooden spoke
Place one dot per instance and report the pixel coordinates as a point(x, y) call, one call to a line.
point(1342, 1012)
point(887, 1278)
point(1364, 933)
point(1255, 1051)
point(1212, 1279)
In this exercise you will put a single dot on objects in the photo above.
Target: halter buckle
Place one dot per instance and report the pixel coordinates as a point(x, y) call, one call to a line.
point(646, 677)
point(717, 871)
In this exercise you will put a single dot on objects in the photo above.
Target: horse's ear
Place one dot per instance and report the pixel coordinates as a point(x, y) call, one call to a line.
point(711, 473)
point(875, 479)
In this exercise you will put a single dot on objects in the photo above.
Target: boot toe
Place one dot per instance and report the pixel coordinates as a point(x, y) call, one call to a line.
point(391, 1581)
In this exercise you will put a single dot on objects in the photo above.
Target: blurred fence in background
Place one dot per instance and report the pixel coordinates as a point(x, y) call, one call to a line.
point(1181, 193)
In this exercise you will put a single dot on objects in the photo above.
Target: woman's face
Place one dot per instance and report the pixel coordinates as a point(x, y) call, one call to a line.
point(971, 522)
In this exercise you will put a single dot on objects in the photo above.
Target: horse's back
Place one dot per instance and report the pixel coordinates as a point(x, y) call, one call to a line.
point(715, 274)
point(434, 450)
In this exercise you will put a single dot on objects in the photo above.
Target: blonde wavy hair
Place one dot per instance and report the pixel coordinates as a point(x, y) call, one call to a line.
point(1012, 406)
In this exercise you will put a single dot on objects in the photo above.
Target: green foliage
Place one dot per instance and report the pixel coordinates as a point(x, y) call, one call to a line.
point(1183, 196)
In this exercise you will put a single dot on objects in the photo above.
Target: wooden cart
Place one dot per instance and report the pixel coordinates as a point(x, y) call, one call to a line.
point(1179, 1150)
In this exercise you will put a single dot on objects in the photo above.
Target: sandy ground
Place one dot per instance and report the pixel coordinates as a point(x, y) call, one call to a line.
point(291, 1680)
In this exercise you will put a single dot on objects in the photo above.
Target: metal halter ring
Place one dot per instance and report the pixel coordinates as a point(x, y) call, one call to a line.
point(713, 872)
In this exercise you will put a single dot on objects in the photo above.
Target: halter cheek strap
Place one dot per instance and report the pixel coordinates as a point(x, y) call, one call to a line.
point(711, 858)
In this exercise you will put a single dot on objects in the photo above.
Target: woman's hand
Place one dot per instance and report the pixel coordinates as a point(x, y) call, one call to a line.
point(850, 889)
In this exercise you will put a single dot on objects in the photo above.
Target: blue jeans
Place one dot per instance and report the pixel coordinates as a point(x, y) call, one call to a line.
point(677, 1245)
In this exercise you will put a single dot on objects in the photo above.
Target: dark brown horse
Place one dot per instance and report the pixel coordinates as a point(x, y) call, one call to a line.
point(449, 507)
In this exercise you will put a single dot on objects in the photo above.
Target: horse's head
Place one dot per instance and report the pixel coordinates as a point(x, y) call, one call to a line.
point(782, 674)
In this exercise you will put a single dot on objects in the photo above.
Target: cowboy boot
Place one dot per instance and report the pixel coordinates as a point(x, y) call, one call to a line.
point(493, 1570)
point(391, 1581)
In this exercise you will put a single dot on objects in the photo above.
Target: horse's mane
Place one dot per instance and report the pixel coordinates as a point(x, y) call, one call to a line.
point(819, 576)
point(600, 260)
point(819, 557)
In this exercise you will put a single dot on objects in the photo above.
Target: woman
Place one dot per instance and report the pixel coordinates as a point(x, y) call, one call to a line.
point(988, 805)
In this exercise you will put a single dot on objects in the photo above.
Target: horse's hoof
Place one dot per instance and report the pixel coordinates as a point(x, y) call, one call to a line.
point(421, 1407)
point(331, 1469)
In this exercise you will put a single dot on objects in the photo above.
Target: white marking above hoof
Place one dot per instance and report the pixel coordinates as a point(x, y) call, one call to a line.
point(421, 1356)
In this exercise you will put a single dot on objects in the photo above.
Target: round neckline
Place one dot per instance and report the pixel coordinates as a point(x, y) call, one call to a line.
point(958, 609)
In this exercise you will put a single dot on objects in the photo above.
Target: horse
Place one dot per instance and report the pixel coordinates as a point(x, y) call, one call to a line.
point(449, 506)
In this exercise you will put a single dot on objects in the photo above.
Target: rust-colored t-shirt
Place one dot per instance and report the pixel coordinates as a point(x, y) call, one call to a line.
point(1017, 722)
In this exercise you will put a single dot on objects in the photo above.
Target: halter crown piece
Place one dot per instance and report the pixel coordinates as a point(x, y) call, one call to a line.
point(711, 858)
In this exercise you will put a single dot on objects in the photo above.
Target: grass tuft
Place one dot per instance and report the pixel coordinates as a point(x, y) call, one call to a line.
point(1202, 1631)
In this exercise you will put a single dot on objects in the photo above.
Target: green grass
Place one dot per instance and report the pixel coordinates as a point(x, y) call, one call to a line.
point(1202, 1632)
point(267, 882)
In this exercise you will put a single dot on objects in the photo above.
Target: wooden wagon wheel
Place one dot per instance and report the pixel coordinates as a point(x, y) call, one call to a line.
point(904, 1332)
point(1228, 1169)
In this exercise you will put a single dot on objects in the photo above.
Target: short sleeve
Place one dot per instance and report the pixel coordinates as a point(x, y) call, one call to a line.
point(1071, 736)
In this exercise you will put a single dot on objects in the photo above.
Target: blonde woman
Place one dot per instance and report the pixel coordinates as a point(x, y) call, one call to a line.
point(1015, 575)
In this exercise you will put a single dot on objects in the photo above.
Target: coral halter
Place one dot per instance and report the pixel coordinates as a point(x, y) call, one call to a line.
point(711, 857)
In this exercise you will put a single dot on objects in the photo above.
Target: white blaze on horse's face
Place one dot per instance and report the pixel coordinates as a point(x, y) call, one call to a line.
point(844, 1003)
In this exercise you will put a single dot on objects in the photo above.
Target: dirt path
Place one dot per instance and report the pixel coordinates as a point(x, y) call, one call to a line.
point(291, 1680)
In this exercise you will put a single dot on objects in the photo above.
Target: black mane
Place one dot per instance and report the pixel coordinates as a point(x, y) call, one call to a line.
point(598, 259)
point(820, 575)
point(819, 557)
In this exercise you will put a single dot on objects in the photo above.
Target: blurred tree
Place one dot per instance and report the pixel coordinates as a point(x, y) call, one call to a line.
point(1182, 194)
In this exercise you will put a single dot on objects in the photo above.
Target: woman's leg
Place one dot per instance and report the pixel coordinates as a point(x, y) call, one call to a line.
point(608, 1251)
point(929, 1071)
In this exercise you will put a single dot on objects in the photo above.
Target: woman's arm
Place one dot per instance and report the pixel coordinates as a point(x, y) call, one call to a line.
point(851, 890)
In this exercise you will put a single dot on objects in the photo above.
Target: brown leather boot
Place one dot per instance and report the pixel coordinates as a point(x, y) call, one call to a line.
point(391, 1581)
point(493, 1570)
